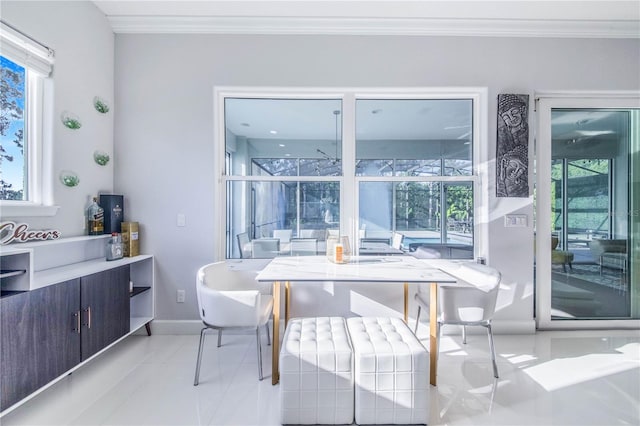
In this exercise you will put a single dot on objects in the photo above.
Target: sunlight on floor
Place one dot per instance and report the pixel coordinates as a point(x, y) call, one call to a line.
point(564, 372)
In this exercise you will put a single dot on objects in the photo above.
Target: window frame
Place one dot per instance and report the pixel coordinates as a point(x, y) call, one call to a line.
point(348, 181)
point(37, 60)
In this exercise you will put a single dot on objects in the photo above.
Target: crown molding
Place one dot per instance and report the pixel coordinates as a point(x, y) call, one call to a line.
point(375, 26)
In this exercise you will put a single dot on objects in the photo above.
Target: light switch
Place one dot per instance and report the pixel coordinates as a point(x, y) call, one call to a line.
point(515, 221)
point(181, 220)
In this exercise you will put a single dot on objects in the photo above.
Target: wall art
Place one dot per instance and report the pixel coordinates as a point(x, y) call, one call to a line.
point(512, 157)
point(70, 120)
point(101, 158)
point(100, 105)
point(69, 178)
point(19, 232)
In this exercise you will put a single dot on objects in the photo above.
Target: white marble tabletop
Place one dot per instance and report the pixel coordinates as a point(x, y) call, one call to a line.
point(359, 269)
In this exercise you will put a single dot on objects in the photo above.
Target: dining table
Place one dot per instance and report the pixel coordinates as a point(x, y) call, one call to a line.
point(394, 270)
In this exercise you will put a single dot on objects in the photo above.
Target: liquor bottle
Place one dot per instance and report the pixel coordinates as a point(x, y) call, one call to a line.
point(95, 215)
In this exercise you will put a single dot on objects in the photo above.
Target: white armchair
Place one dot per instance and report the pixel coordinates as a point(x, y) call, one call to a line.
point(230, 299)
point(472, 301)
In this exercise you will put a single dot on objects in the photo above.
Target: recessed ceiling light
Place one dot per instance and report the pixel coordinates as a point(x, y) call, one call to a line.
point(245, 124)
point(281, 145)
point(273, 132)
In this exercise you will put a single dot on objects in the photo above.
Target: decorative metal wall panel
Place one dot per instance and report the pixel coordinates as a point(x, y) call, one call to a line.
point(512, 158)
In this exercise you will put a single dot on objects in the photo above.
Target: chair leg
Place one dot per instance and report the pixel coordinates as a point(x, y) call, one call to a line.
point(197, 378)
point(438, 338)
point(259, 353)
point(219, 337)
point(464, 334)
point(266, 326)
point(493, 351)
point(417, 321)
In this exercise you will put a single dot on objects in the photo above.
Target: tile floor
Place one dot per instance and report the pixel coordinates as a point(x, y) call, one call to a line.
point(550, 378)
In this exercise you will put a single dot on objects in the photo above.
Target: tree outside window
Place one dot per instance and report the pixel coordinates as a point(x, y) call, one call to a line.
point(12, 158)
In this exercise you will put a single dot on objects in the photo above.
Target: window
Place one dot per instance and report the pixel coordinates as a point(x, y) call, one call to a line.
point(306, 166)
point(13, 180)
point(24, 65)
point(428, 141)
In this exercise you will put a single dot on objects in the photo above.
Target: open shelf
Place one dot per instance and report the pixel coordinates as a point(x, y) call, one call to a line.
point(138, 290)
point(6, 273)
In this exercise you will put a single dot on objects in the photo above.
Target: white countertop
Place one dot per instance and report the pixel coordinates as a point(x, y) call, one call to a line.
point(359, 269)
point(76, 270)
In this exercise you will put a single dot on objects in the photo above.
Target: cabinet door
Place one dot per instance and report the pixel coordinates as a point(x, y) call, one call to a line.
point(39, 339)
point(104, 299)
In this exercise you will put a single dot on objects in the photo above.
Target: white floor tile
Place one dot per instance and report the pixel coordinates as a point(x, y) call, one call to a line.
point(550, 378)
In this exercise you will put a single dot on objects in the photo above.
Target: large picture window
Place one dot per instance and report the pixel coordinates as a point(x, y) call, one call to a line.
point(372, 168)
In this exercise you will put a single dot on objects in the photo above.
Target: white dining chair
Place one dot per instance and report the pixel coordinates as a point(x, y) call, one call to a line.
point(304, 247)
point(265, 248)
point(230, 299)
point(471, 302)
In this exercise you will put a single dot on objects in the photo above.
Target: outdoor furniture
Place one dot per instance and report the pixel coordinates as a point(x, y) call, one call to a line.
point(610, 253)
point(264, 248)
point(316, 372)
point(560, 257)
point(284, 235)
point(230, 299)
point(391, 372)
point(396, 240)
point(244, 245)
point(304, 246)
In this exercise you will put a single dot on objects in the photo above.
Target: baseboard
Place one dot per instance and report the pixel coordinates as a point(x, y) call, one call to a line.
point(194, 327)
point(176, 326)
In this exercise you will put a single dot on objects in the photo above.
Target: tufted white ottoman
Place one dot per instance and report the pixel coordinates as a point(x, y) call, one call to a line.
point(391, 372)
point(316, 372)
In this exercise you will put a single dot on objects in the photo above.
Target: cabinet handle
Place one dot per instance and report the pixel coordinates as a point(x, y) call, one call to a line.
point(76, 316)
point(89, 317)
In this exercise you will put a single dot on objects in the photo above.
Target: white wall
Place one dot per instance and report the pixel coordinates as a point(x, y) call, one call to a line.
point(164, 125)
point(84, 60)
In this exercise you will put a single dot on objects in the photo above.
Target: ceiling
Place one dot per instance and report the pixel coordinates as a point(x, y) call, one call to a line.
point(574, 18)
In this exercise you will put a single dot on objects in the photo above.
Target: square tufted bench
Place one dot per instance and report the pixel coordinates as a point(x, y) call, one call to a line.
point(316, 372)
point(391, 372)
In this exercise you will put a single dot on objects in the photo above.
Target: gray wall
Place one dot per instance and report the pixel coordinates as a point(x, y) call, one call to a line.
point(164, 125)
point(84, 56)
point(162, 146)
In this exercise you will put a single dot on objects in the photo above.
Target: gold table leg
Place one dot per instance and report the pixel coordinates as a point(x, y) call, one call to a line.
point(406, 303)
point(287, 301)
point(433, 333)
point(275, 346)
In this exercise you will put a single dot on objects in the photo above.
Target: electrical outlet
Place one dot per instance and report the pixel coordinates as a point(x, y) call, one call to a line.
point(180, 296)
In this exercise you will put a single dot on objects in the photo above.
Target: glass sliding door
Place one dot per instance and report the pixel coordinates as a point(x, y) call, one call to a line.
point(585, 266)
